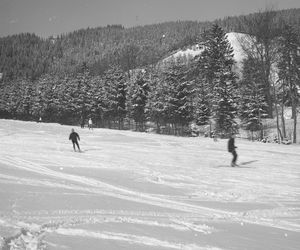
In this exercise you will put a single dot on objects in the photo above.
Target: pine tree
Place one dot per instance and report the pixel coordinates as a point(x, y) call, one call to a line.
point(170, 97)
point(253, 106)
point(27, 97)
point(138, 100)
point(121, 98)
point(13, 98)
point(180, 105)
point(202, 111)
point(216, 63)
point(156, 101)
point(46, 102)
point(67, 94)
point(84, 94)
point(115, 96)
point(96, 99)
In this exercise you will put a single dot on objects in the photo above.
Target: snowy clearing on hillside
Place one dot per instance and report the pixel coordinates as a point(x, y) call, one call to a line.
point(138, 191)
point(234, 39)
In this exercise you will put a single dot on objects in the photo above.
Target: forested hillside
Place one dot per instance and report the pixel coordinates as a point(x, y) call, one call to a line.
point(236, 23)
point(29, 56)
point(111, 74)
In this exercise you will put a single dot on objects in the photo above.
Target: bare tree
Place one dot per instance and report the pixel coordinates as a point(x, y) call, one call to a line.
point(289, 70)
point(259, 43)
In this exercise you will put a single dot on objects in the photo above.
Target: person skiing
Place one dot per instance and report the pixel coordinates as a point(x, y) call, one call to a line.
point(82, 123)
point(231, 149)
point(90, 123)
point(74, 136)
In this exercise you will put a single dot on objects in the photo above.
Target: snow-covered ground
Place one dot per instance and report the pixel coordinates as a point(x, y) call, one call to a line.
point(138, 191)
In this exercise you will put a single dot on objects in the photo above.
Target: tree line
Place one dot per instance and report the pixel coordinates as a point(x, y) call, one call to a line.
point(205, 90)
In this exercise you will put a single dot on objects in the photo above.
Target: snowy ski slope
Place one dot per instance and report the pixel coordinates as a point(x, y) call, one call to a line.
point(130, 190)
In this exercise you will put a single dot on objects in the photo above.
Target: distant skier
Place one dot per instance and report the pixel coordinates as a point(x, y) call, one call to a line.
point(231, 149)
point(82, 123)
point(74, 136)
point(215, 135)
point(90, 124)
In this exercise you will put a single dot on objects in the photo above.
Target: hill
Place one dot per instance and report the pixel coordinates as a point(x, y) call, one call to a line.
point(29, 56)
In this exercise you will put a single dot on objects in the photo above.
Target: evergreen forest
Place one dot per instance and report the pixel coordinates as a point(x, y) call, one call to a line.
point(115, 75)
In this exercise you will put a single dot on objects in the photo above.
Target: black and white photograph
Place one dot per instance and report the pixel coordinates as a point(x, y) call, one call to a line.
point(149, 125)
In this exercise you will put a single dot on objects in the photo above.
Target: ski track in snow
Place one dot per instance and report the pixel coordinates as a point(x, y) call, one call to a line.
point(179, 180)
point(98, 187)
point(132, 239)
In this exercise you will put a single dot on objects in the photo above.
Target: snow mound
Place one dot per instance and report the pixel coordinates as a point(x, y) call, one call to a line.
point(235, 40)
point(190, 52)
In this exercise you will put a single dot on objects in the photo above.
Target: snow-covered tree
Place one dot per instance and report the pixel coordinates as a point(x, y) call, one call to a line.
point(115, 95)
point(157, 101)
point(138, 99)
point(216, 64)
point(96, 100)
point(252, 104)
point(44, 102)
point(202, 112)
point(85, 93)
point(67, 95)
point(121, 98)
point(12, 98)
point(170, 97)
point(180, 105)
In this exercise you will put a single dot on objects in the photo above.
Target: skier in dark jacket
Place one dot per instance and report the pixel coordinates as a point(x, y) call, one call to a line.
point(74, 136)
point(231, 149)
